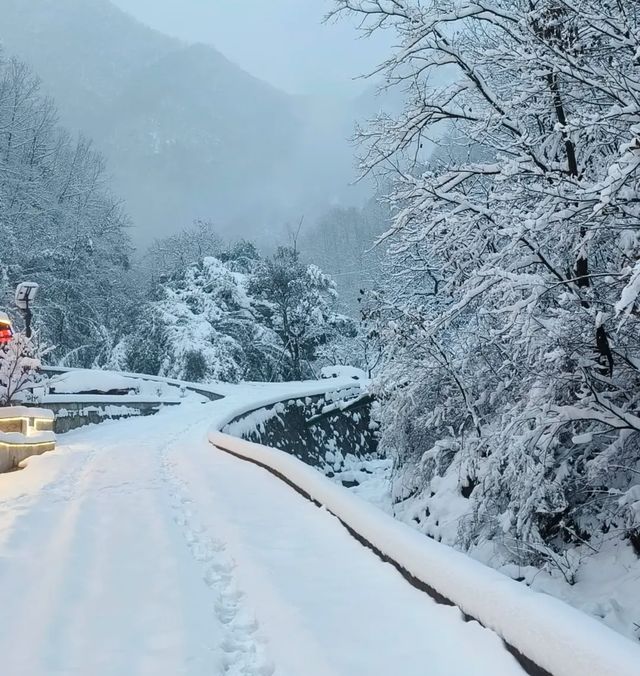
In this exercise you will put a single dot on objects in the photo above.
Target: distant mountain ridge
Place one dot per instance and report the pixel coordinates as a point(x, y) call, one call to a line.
point(187, 133)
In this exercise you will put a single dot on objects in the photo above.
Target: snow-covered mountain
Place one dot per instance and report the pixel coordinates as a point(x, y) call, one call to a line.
point(187, 133)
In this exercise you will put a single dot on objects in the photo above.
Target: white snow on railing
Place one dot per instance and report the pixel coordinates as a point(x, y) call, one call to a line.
point(93, 376)
point(248, 397)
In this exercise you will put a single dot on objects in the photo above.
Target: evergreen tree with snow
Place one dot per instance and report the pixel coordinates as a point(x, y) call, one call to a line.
point(19, 363)
point(300, 300)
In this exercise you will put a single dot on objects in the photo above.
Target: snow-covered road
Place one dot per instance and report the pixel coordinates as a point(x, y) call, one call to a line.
point(137, 548)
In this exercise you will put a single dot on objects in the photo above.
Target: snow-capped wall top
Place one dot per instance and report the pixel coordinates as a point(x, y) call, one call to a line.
point(25, 412)
point(339, 371)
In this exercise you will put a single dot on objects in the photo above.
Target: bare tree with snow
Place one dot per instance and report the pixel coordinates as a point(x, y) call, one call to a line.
point(513, 316)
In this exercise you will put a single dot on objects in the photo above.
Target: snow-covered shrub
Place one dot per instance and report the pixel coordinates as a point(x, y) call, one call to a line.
point(19, 362)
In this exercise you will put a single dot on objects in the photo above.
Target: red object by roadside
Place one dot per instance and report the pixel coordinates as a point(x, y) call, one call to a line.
point(6, 330)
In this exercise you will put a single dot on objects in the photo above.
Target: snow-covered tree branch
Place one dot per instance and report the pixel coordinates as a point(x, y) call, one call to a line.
point(512, 317)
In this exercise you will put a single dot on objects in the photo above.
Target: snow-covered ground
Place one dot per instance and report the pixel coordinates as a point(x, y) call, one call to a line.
point(607, 582)
point(137, 548)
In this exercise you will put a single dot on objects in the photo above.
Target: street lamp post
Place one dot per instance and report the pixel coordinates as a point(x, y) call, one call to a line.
point(25, 295)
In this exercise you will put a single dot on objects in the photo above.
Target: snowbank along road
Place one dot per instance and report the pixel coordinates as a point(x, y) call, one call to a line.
point(138, 548)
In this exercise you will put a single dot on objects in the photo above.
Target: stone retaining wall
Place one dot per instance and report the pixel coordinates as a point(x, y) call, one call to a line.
point(70, 416)
point(313, 429)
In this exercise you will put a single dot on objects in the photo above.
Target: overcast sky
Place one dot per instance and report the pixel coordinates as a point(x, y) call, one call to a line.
point(281, 41)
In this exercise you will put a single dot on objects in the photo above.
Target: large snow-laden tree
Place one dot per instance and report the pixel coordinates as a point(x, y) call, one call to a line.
point(513, 319)
point(203, 326)
point(234, 316)
point(59, 225)
point(301, 302)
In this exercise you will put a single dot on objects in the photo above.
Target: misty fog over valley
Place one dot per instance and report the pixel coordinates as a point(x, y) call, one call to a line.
point(380, 257)
point(187, 134)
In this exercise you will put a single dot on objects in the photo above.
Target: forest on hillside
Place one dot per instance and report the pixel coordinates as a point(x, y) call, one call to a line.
point(192, 305)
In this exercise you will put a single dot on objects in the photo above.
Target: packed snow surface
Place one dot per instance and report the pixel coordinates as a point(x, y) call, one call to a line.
point(137, 548)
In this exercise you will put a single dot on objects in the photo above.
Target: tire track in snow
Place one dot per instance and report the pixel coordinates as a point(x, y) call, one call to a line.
point(63, 487)
point(59, 504)
point(244, 651)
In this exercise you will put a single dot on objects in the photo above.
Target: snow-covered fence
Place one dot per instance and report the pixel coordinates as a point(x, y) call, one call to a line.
point(548, 637)
point(71, 415)
point(83, 396)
